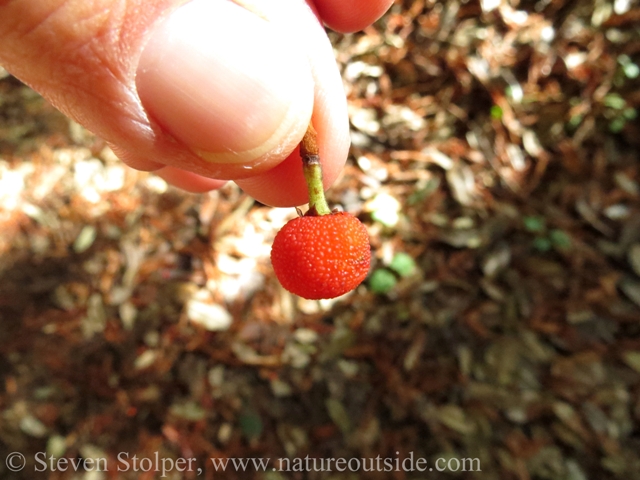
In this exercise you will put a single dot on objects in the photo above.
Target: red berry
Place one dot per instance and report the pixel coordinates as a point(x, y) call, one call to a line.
point(321, 256)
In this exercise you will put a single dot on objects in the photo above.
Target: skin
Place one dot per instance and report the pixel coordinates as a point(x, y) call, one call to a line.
point(124, 69)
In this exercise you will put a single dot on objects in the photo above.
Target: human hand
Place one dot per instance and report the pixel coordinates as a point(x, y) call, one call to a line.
point(200, 92)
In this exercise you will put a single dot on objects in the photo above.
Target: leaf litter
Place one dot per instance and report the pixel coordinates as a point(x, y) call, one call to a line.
point(495, 150)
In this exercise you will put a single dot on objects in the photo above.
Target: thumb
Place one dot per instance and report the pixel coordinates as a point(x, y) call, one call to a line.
point(227, 84)
point(206, 86)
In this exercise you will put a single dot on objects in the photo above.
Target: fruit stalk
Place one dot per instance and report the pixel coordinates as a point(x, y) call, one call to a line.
point(312, 169)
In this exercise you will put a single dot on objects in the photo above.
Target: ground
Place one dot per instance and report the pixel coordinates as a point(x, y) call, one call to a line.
point(495, 164)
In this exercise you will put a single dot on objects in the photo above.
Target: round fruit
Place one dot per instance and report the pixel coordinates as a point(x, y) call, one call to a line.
point(321, 256)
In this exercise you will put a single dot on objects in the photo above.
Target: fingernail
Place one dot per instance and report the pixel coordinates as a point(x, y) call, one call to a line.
point(224, 81)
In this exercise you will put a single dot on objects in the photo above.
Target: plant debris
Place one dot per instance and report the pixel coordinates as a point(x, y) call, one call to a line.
point(495, 164)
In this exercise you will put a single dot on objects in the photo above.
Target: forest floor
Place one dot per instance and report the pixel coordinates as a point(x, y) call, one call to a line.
point(495, 162)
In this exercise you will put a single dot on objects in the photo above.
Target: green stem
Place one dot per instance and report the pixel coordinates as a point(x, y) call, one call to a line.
point(312, 169)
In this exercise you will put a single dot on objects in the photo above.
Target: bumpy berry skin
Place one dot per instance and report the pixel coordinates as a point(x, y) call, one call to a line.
point(322, 256)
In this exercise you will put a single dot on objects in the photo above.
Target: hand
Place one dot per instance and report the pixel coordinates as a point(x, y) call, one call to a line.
point(200, 92)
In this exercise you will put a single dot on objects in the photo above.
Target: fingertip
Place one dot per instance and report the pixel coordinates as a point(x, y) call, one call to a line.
point(188, 181)
point(282, 186)
point(285, 186)
point(348, 16)
point(133, 160)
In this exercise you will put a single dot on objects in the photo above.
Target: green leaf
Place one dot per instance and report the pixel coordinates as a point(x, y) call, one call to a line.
point(542, 244)
point(251, 424)
point(615, 101)
point(630, 69)
point(534, 224)
point(617, 124)
point(338, 414)
point(560, 239)
point(496, 112)
point(575, 120)
point(403, 264)
point(382, 281)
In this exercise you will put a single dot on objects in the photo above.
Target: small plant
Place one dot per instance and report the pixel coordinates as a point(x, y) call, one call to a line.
point(627, 71)
point(618, 112)
point(383, 280)
point(545, 239)
point(324, 253)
